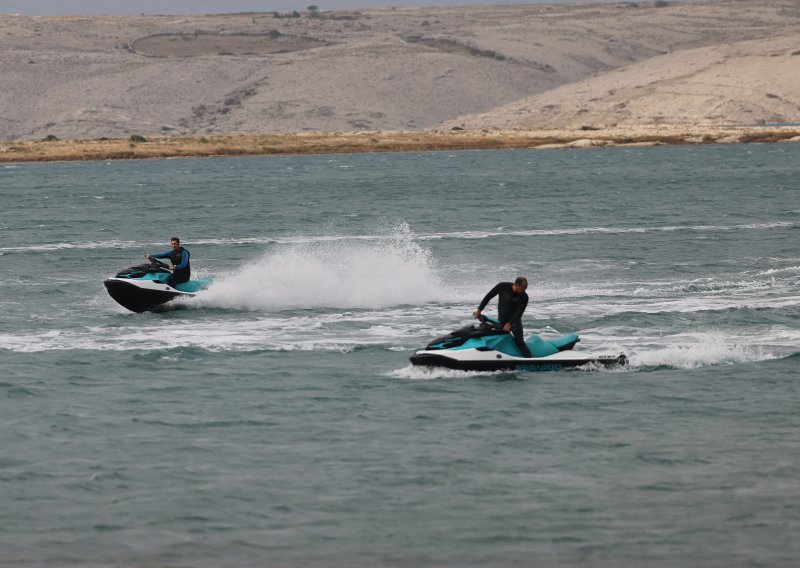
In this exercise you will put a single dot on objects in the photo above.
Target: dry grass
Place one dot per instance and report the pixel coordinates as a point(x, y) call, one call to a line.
point(357, 142)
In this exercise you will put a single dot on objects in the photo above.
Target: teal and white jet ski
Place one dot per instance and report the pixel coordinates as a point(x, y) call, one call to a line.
point(486, 347)
point(144, 287)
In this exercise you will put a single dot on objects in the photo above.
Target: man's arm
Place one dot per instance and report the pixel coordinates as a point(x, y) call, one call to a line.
point(486, 299)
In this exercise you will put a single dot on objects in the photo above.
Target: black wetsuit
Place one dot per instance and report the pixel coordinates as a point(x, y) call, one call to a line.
point(510, 307)
point(180, 260)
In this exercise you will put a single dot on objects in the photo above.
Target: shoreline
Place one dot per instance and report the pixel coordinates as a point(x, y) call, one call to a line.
point(137, 147)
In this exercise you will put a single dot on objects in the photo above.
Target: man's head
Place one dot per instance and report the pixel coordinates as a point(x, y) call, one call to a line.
point(175, 242)
point(520, 284)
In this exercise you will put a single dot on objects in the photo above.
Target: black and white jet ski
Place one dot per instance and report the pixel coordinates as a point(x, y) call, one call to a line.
point(486, 347)
point(144, 287)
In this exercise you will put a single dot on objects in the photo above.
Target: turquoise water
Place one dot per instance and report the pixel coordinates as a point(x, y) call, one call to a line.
point(276, 420)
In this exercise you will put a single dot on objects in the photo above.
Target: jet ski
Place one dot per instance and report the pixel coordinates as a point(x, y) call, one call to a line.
point(144, 287)
point(486, 347)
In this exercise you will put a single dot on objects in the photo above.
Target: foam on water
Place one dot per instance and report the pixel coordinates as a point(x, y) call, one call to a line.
point(420, 373)
point(788, 270)
point(265, 334)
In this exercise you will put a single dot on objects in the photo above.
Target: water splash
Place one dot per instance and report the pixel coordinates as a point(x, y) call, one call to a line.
point(349, 274)
point(711, 349)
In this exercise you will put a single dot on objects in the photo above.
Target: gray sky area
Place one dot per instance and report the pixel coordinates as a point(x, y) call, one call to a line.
point(80, 7)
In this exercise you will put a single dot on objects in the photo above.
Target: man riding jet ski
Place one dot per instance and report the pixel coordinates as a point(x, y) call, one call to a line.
point(500, 345)
point(487, 347)
point(511, 303)
point(147, 286)
point(179, 257)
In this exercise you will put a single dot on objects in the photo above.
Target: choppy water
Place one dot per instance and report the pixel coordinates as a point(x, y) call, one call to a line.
point(277, 422)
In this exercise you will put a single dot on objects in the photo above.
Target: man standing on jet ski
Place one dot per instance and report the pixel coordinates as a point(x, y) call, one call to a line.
point(179, 259)
point(511, 304)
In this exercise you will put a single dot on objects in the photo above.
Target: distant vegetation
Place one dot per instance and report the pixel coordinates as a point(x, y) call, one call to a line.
point(454, 46)
point(293, 14)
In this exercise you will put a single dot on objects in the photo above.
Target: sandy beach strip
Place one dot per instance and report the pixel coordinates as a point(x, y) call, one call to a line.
point(396, 141)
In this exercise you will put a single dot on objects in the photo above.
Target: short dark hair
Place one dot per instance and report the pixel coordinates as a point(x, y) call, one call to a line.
point(176, 239)
point(521, 281)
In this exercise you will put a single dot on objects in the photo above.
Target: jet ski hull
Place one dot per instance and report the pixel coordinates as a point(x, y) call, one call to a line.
point(144, 287)
point(477, 360)
point(141, 295)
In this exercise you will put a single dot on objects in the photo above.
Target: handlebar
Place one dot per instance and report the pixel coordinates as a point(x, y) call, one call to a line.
point(157, 262)
point(489, 321)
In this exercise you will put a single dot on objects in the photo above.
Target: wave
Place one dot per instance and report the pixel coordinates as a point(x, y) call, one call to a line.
point(398, 332)
point(605, 230)
point(166, 340)
point(80, 245)
point(382, 237)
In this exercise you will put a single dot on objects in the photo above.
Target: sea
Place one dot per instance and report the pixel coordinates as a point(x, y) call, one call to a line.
point(276, 421)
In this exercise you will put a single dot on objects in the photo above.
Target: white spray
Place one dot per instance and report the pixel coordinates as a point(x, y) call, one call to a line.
point(342, 273)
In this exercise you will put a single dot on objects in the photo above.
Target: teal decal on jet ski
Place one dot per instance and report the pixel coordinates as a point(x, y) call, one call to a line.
point(543, 347)
point(503, 343)
point(194, 285)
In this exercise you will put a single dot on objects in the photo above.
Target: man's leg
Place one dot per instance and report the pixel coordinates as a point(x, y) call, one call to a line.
point(173, 281)
point(519, 339)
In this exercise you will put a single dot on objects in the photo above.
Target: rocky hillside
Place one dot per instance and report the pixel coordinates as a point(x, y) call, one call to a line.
point(522, 66)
